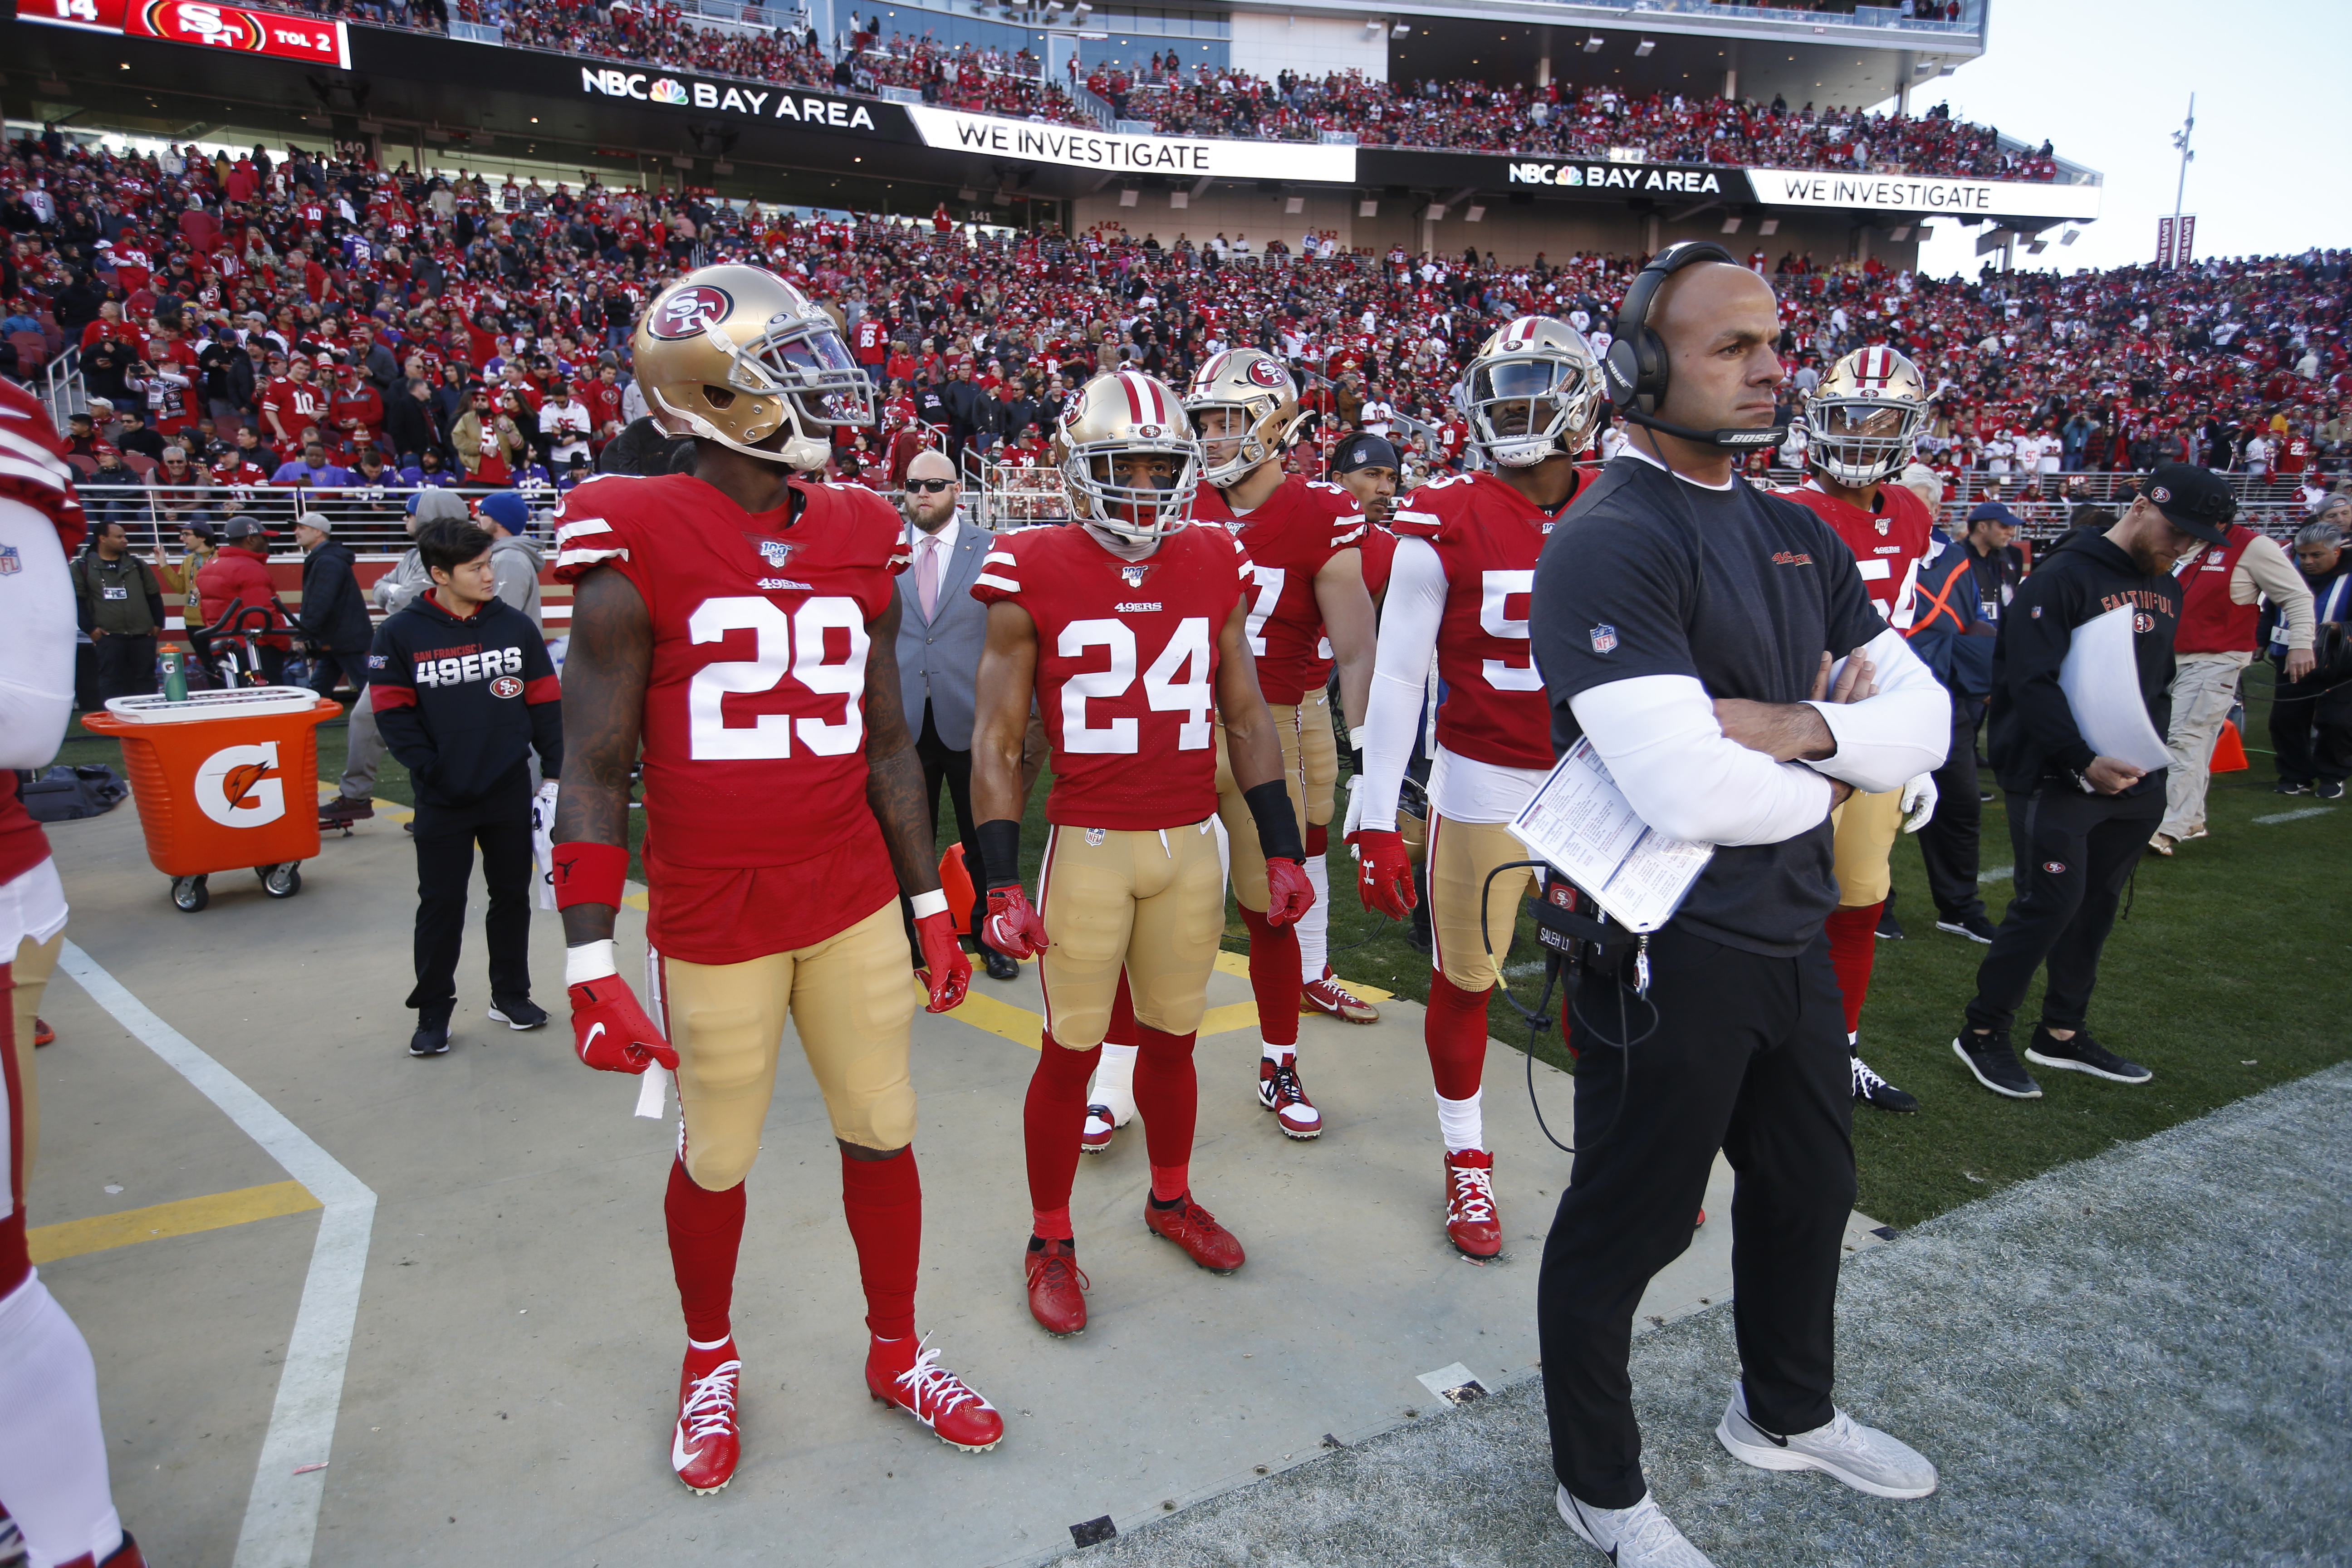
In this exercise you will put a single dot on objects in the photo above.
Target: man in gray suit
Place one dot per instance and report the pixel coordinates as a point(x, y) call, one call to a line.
point(942, 628)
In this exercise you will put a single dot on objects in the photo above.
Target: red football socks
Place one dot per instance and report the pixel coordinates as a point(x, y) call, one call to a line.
point(705, 1229)
point(883, 1200)
point(1853, 948)
point(1168, 1098)
point(1273, 977)
point(1455, 1033)
point(1053, 1119)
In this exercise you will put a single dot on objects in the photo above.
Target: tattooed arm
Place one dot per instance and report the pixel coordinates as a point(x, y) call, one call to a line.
point(894, 775)
point(604, 679)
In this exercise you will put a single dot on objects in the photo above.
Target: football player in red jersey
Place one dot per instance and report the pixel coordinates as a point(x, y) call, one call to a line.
point(1861, 428)
point(1131, 629)
point(53, 1466)
point(1458, 589)
point(740, 620)
point(1306, 577)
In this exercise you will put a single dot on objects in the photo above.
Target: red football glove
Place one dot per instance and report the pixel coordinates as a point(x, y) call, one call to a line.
point(1385, 872)
point(1288, 894)
point(612, 1033)
point(946, 969)
point(1013, 928)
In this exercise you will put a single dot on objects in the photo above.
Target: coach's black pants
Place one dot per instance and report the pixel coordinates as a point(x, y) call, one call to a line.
point(1949, 843)
point(1748, 1056)
point(2074, 852)
point(444, 867)
point(2311, 730)
point(942, 764)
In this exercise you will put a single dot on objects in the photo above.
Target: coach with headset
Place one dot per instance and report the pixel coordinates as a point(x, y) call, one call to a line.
point(1717, 645)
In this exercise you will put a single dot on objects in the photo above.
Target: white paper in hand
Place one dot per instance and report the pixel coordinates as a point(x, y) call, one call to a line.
point(1581, 823)
point(2100, 677)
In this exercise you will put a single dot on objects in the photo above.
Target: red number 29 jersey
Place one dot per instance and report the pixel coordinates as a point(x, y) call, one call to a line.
point(754, 711)
point(1127, 666)
point(1288, 538)
point(1890, 545)
point(1488, 537)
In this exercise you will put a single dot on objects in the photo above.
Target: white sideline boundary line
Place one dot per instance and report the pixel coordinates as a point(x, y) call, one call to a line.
point(281, 1513)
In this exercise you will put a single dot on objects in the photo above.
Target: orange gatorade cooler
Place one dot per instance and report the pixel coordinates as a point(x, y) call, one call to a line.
point(223, 779)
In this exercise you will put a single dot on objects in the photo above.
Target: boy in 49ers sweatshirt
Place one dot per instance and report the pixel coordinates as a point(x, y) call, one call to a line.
point(464, 692)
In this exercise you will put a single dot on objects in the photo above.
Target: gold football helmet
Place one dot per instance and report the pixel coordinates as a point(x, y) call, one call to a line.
point(734, 353)
point(1534, 390)
point(1128, 455)
point(1866, 417)
point(1256, 386)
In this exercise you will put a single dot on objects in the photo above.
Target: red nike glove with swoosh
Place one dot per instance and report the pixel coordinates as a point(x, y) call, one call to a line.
point(1385, 872)
point(1288, 894)
point(947, 969)
point(612, 1033)
point(1013, 928)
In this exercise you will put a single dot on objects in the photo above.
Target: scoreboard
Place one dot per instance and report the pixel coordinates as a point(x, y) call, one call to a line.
point(206, 24)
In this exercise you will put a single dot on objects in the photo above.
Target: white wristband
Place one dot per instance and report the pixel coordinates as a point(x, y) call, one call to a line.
point(589, 961)
point(934, 902)
point(1357, 737)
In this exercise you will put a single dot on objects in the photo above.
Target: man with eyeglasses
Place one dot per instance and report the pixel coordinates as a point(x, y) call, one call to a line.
point(180, 491)
point(941, 630)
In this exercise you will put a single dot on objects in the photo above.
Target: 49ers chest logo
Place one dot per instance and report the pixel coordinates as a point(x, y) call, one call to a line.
point(680, 314)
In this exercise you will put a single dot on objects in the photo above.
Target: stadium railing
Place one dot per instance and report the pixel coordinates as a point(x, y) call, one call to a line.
point(369, 519)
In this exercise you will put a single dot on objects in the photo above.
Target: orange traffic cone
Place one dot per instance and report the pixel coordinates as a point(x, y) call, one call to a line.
point(2229, 752)
point(956, 883)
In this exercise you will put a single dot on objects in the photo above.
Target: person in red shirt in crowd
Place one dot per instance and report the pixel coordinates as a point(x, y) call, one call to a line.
point(110, 324)
point(292, 403)
point(602, 396)
point(239, 573)
point(1861, 426)
point(354, 413)
point(872, 338)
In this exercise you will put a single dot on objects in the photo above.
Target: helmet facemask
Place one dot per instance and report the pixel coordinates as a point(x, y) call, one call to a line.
point(800, 374)
point(1258, 441)
point(1524, 409)
point(1860, 441)
point(1139, 492)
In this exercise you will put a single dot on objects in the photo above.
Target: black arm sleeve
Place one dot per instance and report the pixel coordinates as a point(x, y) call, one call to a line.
point(1000, 850)
point(1277, 829)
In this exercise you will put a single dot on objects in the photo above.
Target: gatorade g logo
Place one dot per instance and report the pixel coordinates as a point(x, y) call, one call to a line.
point(680, 314)
point(233, 787)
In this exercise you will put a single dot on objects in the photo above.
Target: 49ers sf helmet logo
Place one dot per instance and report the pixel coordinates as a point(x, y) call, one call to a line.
point(1263, 373)
point(680, 314)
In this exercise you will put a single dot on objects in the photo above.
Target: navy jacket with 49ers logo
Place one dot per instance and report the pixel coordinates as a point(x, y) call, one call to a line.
point(462, 703)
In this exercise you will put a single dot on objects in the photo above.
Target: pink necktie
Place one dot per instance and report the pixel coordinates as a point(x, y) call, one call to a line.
point(927, 575)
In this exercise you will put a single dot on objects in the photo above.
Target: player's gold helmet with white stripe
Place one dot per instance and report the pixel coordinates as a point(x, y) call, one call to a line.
point(735, 354)
point(1262, 396)
point(1127, 455)
point(1866, 417)
point(1534, 390)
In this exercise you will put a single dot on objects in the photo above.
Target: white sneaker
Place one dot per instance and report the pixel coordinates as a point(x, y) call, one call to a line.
point(1636, 1537)
point(1863, 1457)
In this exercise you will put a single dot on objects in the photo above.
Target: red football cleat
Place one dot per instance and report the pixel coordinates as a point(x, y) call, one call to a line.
point(1099, 1127)
point(1470, 1220)
point(42, 1034)
point(1196, 1230)
point(1700, 1221)
point(1332, 999)
point(1057, 1287)
point(707, 1440)
point(1279, 1090)
point(951, 1409)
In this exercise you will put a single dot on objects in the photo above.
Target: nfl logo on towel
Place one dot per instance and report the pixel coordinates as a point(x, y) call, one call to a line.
point(1604, 639)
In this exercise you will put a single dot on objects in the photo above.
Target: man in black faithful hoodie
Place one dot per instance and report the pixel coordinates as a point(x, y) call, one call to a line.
point(2079, 821)
point(464, 692)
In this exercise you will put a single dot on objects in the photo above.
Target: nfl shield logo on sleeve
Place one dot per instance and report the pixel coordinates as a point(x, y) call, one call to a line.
point(11, 562)
point(1604, 639)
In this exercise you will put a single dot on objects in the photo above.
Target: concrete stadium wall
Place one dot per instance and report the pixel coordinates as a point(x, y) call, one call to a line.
point(1267, 44)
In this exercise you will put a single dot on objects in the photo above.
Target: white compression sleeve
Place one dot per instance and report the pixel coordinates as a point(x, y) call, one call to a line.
point(1314, 925)
point(1409, 617)
point(37, 639)
point(52, 1449)
point(1684, 777)
point(1883, 741)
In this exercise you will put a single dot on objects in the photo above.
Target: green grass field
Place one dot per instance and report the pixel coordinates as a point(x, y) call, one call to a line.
point(2228, 977)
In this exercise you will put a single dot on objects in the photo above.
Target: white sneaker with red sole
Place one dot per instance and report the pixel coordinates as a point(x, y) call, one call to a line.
point(708, 1439)
point(1471, 1222)
point(1332, 999)
point(1098, 1129)
point(950, 1407)
point(1279, 1090)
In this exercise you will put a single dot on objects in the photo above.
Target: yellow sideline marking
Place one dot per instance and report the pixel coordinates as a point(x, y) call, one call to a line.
point(1018, 1025)
point(185, 1217)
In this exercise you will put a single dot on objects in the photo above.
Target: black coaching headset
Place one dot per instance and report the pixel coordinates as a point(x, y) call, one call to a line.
point(1638, 364)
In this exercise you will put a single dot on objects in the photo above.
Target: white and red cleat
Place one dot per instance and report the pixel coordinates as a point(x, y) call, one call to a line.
point(1099, 1127)
point(1329, 997)
point(1279, 1090)
point(1470, 1219)
point(950, 1407)
point(126, 1555)
point(708, 1439)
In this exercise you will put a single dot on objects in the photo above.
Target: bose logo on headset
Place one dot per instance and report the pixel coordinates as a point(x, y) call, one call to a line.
point(1638, 364)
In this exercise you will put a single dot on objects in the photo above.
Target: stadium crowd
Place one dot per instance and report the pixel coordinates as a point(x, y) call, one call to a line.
point(295, 322)
point(1174, 98)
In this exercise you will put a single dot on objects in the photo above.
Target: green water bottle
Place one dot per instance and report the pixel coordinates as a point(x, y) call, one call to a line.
point(175, 680)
